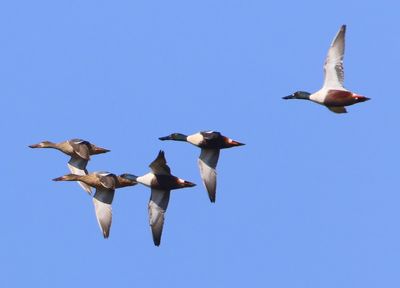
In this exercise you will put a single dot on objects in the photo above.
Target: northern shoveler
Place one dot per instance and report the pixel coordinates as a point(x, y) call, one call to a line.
point(161, 182)
point(211, 143)
point(332, 94)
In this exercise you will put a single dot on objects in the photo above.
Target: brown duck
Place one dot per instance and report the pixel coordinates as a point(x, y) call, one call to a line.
point(105, 184)
point(79, 150)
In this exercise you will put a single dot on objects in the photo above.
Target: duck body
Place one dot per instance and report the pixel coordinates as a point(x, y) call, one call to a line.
point(99, 180)
point(336, 99)
point(79, 150)
point(161, 182)
point(74, 148)
point(211, 140)
point(210, 143)
point(105, 184)
point(333, 95)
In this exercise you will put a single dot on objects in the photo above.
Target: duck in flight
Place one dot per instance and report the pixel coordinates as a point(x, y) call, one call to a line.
point(210, 143)
point(79, 150)
point(332, 94)
point(161, 182)
point(105, 184)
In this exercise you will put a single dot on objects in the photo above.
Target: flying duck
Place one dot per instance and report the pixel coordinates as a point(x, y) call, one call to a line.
point(79, 150)
point(332, 94)
point(105, 184)
point(161, 182)
point(211, 143)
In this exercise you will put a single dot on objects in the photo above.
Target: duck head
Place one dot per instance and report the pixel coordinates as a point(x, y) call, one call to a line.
point(298, 95)
point(175, 137)
point(44, 144)
point(68, 177)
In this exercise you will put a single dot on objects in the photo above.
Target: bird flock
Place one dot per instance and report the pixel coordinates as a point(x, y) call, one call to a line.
point(159, 180)
point(332, 95)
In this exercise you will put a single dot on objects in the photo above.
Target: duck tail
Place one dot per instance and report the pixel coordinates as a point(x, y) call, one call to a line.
point(99, 150)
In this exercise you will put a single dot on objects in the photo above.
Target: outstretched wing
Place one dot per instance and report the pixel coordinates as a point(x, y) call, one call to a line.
point(159, 166)
point(207, 163)
point(77, 166)
point(210, 135)
point(102, 205)
point(107, 180)
point(338, 110)
point(157, 206)
point(81, 148)
point(333, 68)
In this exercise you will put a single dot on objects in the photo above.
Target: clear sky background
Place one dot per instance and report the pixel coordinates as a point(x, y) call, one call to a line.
point(312, 200)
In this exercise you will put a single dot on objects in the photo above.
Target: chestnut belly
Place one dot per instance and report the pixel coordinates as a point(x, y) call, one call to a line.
point(339, 98)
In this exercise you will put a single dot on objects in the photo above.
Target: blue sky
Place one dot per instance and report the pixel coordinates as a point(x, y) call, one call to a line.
point(312, 200)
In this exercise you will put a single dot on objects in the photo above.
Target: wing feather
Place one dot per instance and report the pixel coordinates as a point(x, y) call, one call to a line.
point(337, 109)
point(207, 163)
point(81, 148)
point(77, 166)
point(102, 205)
point(159, 165)
point(157, 206)
point(333, 68)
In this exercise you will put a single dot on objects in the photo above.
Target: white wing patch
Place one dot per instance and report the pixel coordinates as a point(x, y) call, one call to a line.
point(102, 205)
point(334, 71)
point(157, 206)
point(207, 163)
point(103, 215)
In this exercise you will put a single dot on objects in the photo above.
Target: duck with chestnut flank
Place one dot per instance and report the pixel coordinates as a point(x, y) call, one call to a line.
point(79, 150)
point(161, 182)
point(332, 94)
point(210, 143)
point(105, 184)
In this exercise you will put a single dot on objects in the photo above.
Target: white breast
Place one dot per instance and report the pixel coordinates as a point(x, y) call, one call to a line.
point(319, 96)
point(195, 139)
point(146, 179)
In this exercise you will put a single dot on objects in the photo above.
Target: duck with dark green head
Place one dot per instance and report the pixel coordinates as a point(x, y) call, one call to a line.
point(210, 143)
point(333, 95)
point(175, 137)
point(161, 182)
point(298, 95)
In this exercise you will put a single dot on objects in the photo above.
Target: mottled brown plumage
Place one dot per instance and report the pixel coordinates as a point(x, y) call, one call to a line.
point(79, 150)
point(105, 184)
